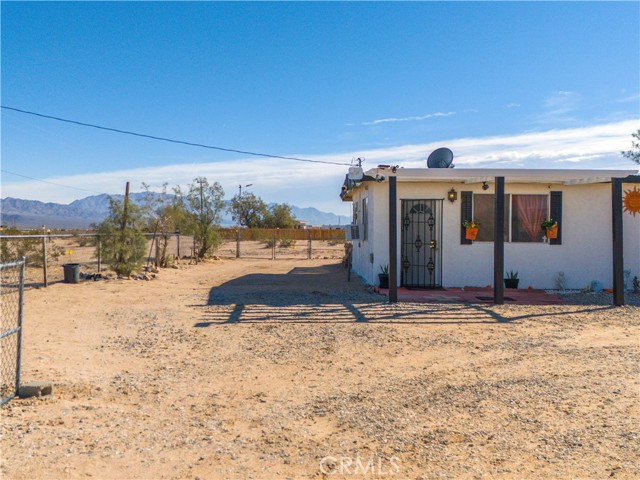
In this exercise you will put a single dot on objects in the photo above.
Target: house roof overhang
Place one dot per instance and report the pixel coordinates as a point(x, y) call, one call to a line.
point(479, 175)
point(348, 186)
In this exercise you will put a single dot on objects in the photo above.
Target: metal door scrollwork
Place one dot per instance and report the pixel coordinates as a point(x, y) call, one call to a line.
point(422, 227)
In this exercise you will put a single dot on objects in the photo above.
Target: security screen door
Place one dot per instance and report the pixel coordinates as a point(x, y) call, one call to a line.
point(421, 250)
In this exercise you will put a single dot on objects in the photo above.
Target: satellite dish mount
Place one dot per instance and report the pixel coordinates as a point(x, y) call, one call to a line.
point(356, 172)
point(440, 158)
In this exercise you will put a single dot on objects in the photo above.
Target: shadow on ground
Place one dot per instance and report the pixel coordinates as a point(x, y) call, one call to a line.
point(323, 295)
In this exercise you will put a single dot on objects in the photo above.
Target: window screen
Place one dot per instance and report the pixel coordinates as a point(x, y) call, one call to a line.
point(484, 212)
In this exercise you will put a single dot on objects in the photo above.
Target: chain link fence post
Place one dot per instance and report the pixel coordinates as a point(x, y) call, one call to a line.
point(11, 298)
point(44, 260)
point(99, 243)
point(273, 247)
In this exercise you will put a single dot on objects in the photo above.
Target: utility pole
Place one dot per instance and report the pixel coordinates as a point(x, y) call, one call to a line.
point(44, 255)
point(200, 181)
point(126, 206)
point(201, 200)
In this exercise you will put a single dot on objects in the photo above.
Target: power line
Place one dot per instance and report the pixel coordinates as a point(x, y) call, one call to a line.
point(153, 137)
point(46, 181)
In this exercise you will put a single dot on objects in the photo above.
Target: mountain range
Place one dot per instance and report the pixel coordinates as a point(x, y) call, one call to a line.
point(82, 213)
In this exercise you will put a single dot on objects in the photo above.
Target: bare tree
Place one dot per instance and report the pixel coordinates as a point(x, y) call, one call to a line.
point(165, 216)
point(203, 204)
point(634, 153)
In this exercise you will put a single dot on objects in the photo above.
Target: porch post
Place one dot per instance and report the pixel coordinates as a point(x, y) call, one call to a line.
point(393, 241)
point(618, 261)
point(498, 244)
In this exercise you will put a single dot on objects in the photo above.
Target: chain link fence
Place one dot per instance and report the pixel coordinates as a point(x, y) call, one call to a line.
point(46, 254)
point(11, 290)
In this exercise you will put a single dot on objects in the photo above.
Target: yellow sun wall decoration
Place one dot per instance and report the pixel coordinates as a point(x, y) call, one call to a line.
point(631, 201)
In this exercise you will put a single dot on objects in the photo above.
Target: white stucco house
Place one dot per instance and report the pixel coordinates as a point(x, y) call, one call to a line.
point(431, 204)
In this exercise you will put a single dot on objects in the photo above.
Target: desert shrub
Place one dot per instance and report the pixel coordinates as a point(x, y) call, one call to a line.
point(286, 243)
point(202, 206)
point(122, 248)
point(84, 241)
point(169, 261)
point(281, 242)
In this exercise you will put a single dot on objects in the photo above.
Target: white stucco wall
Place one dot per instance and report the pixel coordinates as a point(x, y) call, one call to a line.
point(585, 253)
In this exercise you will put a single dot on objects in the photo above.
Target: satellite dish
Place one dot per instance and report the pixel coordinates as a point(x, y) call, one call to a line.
point(355, 173)
point(440, 158)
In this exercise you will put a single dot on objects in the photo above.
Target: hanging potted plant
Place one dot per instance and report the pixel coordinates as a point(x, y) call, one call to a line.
point(383, 277)
point(551, 226)
point(512, 280)
point(471, 229)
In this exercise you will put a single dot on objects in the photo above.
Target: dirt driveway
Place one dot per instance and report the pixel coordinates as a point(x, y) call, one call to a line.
point(262, 369)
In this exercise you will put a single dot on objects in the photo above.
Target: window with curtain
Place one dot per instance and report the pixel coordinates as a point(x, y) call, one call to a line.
point(484, 212)
point(529, 211)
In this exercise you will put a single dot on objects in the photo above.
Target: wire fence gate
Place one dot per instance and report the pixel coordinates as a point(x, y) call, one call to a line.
point(11, 295)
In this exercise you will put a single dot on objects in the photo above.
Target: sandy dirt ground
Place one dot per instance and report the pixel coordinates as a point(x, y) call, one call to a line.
point(261, 369)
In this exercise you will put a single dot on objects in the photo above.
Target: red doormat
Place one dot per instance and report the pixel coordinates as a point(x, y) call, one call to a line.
point(472, 295)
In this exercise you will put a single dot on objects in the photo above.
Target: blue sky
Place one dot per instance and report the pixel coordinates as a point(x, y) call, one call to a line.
point(542, 84)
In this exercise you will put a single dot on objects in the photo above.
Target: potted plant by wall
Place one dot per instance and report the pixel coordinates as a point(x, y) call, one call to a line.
point(471, 227)
point(383, 276)
point(512, 280)
point(551, 226)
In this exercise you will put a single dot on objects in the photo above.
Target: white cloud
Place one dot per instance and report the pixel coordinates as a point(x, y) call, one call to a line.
point(513, 105)
point(274, 180)
point(409, 119)
point(630, 98)
point(558, 108)
point(308, 184)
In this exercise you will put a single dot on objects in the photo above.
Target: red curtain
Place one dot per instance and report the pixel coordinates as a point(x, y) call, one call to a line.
point(532, 211)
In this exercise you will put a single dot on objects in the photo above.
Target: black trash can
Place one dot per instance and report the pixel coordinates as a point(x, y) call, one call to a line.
point(71, 272)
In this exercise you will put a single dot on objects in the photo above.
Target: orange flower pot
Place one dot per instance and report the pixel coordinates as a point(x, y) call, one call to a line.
point(552, 232)
point(471, 233)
